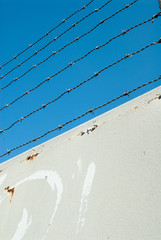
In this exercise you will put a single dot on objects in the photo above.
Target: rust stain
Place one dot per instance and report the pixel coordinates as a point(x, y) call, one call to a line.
point(31, 157)
point(119, 115)
point(10, 191)
point(136, 107)
point(21, 161)
point(1, 171)
point(153, 99)
point(81, 133)
point(69, 139)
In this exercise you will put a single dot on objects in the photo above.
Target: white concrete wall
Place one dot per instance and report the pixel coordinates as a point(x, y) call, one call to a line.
point(99, 181)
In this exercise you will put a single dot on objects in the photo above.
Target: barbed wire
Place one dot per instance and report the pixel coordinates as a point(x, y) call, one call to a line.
point(68, 44)
point(82, 83)
point(70, 64)
point(47, 34)
point(127, 93)
point(55, 39)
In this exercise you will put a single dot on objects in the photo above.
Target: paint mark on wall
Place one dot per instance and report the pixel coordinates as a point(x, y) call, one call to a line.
point(23, 226)
point(88, 131)
point(55, 182)
point(79, 165)
point(2, 178)
point(1, 199)
point(85, 195)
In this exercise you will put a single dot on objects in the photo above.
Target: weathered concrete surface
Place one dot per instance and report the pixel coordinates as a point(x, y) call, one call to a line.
point(99, 181)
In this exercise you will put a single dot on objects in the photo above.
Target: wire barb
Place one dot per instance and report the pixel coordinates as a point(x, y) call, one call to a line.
point(82, 83)
point(127, 93)
point(54, 28)
point(81, 116)
point(68, 44)
point(79, 59)
point(55, 38)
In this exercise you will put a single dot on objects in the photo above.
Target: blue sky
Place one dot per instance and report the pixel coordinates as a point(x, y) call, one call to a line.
point(23, 22)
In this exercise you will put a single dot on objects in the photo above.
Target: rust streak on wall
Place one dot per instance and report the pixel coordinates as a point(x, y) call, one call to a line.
point(10, 191)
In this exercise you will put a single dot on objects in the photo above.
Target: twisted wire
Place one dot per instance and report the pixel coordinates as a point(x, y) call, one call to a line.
point(68, 44)
point(83, 115)
point(79, 59)
point(82, 83)
point(54, 39)
point(47, 34)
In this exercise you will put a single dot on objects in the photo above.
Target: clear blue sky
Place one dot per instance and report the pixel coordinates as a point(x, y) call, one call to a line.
point(23, 22)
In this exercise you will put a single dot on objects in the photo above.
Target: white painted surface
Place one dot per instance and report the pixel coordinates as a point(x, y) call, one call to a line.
point(23, 226)
point(103, 184)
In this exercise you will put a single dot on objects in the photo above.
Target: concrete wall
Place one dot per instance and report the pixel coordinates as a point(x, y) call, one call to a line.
point(99, 181)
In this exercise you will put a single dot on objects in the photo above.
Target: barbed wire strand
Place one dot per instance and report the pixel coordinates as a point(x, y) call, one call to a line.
point(70, 64)
point(55, 39)
point(68, 44)
point(80, 84)
point(47, 34)
point(127, 93)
